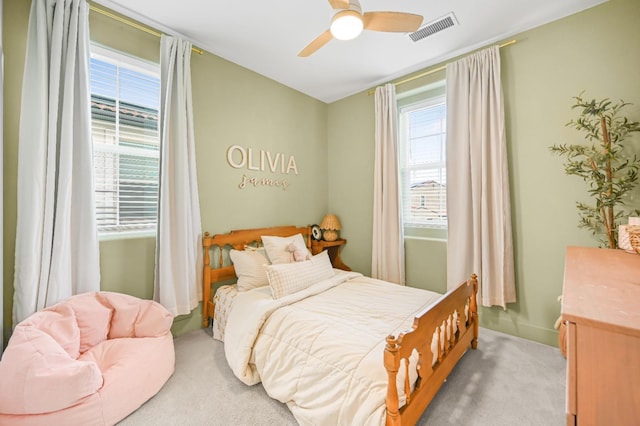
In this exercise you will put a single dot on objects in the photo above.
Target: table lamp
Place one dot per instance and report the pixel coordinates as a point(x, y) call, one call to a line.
point(330, 226)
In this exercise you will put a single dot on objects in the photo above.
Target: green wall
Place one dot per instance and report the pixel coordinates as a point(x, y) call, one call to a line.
point(232, 106)
point(596, 50)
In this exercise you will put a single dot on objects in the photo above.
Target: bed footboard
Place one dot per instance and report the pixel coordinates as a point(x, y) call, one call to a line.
point(453, 322)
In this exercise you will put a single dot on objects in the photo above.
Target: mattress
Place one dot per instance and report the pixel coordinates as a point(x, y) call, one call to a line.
point(223, 301)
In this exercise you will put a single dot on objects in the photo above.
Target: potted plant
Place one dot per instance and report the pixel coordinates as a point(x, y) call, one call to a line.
point(603, 163)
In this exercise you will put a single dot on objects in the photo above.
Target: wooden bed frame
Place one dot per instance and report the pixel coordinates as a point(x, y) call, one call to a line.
point(452, 343)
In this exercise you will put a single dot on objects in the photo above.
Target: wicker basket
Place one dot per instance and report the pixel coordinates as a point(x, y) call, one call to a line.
point(634, 237)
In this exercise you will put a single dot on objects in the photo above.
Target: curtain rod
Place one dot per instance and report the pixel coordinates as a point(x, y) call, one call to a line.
point(135, 25)
point(426, 73)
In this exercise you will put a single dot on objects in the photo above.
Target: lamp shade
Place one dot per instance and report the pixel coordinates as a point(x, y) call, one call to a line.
point(330, 221)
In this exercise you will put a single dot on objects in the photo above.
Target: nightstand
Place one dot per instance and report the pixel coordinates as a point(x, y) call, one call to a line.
point(333, 247)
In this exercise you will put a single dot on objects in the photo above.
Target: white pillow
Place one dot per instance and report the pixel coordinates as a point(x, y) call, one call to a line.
point(288, 278)
point(250, 268)
point(279, 250)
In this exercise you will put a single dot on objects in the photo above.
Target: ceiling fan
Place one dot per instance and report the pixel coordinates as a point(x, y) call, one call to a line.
point(348, 22)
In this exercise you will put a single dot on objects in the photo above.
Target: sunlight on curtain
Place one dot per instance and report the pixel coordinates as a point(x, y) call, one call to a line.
point(56, 237)
point(387, 257)
point(478, 205)
point(178, 275)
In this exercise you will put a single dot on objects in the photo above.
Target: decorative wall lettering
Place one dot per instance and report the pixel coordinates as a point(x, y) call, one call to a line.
point(247, 180)
point(261, 161)
point(239, 157)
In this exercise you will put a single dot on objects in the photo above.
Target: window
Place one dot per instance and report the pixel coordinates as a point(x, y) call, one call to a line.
point(125, 98)
point(423, 163)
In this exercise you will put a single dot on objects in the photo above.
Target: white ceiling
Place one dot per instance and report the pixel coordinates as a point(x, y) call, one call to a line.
point(266, 36)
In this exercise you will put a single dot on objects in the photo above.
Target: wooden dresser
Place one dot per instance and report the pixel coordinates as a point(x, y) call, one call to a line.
point(601, 310)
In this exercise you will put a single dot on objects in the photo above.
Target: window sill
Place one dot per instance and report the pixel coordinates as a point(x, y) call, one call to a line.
point(412, 237)
point(428, 232)
point(410, 225)
point(126, 235)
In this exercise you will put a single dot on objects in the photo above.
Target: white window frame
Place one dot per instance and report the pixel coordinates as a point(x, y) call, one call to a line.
point(144, 67)
point(404, 168)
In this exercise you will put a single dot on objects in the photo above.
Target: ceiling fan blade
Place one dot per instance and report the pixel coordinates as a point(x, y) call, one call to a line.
point(316, 44)
point(339, 4)
point(392, 22)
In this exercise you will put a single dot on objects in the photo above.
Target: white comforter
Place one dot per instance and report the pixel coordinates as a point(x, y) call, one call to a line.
point(320, 350)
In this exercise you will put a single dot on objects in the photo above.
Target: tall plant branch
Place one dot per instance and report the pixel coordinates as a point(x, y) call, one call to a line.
point(602, 164)
point(608, 217)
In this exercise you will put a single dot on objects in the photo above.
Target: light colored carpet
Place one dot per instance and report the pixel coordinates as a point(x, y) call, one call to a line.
point(506, 381)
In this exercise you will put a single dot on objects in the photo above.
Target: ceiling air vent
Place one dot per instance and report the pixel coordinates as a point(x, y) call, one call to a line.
point(434, 27)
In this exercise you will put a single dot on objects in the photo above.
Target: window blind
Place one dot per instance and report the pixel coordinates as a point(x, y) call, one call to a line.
point(124, 117)
point(423, 163)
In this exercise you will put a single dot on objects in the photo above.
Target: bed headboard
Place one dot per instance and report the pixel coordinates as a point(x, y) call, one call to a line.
point(224, 271)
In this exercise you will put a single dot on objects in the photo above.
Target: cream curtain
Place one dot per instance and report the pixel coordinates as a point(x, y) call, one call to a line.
point(387, 257)
point(56, 233)
point(178, 275)
point(478, 206)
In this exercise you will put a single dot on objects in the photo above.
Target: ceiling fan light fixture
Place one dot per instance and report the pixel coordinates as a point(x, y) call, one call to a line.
point(346, 25)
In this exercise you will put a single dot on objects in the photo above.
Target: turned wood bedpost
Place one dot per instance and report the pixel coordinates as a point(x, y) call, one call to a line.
point(392, 364)
point(308, 239)
point(206, 280)
point(473, 307)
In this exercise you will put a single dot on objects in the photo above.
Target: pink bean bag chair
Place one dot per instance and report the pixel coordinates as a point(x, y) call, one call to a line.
point(89, 360)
